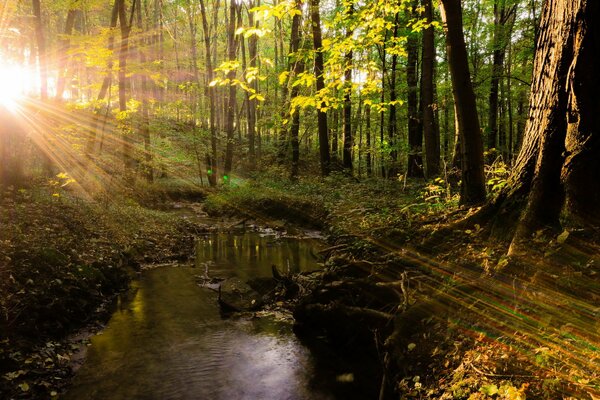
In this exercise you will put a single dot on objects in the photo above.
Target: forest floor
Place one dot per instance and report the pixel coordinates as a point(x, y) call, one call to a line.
point(420, 300)
point(62, 260)
point(431, 300)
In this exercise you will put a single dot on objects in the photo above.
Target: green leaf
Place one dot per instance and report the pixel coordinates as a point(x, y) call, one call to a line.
point(489, 390)
point(562, 237)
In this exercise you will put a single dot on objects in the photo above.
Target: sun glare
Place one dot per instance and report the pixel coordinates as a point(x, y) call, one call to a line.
point(15, 82)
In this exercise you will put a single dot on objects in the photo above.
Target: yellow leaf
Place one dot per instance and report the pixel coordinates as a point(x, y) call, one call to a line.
point(283, 77)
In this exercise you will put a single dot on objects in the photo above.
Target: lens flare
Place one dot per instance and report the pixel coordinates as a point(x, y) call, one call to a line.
point(15, 81)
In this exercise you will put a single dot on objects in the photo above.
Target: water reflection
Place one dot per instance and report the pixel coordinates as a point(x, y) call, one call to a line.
point(248, 255)
point(167, 340)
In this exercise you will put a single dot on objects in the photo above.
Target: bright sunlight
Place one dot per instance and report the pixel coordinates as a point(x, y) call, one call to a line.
point(15, 82)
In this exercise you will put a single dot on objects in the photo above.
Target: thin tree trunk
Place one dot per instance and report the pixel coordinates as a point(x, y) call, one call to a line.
point(324, 155)
point(298, 67)
point(211, 157)
point(144, 109)
point(348, 140)
point(41, 49)
point(106, 82)
point(231, 98)
point(473, 180)
point(430, 133)
point(64, 51)
point(415, 134)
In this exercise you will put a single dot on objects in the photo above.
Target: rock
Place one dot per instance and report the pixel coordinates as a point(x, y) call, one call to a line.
point(235, 295)
point(264, 286)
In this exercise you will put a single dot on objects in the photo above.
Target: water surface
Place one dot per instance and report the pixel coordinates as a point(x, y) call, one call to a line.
point(168, 340)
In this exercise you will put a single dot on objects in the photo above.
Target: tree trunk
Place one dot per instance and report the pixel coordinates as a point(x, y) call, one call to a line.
point(41, 47)
point(348, 140)
point(558, 167)
point(64, 51)
point(415, 134)
point(368, 140)
point(324, 155)
point(252, 53)
point(393, 168)
point(232, 44)
point(211, 157)
point(473, 179)
point(297, 68)
point(503, 19)
point(145, 107)
point(106, 82)
point(124, 79)
point(431, 131)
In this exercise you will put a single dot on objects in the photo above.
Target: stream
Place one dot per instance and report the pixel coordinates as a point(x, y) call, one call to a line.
point(167, 338)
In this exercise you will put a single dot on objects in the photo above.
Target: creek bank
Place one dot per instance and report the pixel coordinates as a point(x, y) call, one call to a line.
point(425, 305)
point(62, 262)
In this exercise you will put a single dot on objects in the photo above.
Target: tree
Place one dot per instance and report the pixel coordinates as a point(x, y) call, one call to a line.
point(232, 45)
point(41, 48)
point(431, 132)
point(503, 19)
point(325, 158)
point(558, 167)
point(471, 144)
point(296, 67)
point(348, 141)
point(211, 157)
point(415, 133)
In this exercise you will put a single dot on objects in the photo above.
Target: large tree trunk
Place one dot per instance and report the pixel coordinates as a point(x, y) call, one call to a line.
point(473, 179)
point(324, 155)
point(431, 131)
point(558, 167)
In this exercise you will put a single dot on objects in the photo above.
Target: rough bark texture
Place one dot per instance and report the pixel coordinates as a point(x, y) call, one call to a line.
point(430, 133)
point(473, 180)
point(558, 167)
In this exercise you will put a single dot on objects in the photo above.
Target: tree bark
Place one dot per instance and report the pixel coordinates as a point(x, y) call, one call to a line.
point(558, 168)
point(232, 45)
point(502, 27)
point(41, 49)
point(211, 157)
point(324, 155)
point(431, 131)
point(415, 134)
point(297, 67)
point(64, 51)
point(471, 144)
point(348, 140)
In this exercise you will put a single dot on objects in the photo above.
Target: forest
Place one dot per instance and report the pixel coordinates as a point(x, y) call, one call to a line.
point(299, 199)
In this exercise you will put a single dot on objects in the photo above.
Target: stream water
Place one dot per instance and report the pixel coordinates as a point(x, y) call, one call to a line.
point(168, 340)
